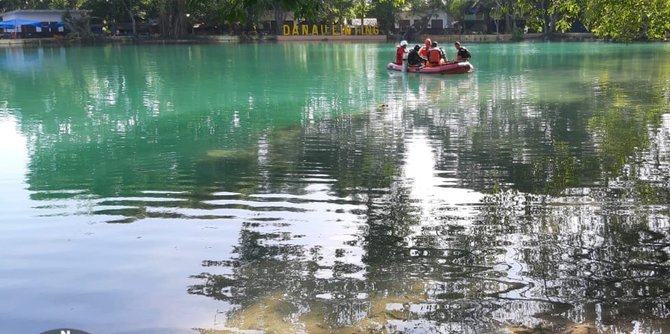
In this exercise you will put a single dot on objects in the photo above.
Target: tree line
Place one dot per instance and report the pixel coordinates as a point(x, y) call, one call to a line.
point(611, 19)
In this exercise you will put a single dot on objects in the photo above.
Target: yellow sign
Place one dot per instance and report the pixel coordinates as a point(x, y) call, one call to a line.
point(324, 29)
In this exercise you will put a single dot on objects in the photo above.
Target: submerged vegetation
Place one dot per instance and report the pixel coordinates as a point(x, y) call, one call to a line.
point(612, 19)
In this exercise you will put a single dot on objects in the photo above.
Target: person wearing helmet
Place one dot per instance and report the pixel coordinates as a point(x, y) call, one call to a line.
point(424, 50)
point(400, 52)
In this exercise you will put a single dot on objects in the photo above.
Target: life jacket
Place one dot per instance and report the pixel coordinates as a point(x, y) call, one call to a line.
point(434, 56)
point(463, 53)
point(399, 52)
point(423, 52)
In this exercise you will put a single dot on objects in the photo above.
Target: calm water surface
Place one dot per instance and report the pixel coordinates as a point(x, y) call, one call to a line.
point(302, 188)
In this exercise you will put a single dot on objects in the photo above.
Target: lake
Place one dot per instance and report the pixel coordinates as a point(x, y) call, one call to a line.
point(303, 188)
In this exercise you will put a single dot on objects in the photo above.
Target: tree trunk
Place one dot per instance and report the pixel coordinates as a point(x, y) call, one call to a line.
point(128, 4)
point(362, 14)
point(173, 18)
point(180, 23)
point(251, 19)
point(496, 20)
point(280, 17)
point(509, 18)
point(554, 19)
point(164, 18)
point(547, 26)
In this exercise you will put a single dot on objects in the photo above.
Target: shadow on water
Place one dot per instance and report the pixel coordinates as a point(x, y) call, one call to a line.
point(476, 204)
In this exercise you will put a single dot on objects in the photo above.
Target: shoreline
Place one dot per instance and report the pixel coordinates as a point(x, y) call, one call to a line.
point(217, 39)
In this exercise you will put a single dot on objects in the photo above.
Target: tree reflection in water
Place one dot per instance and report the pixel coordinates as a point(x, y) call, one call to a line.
point(526, 208)
point(581, 256)
point(572, 236)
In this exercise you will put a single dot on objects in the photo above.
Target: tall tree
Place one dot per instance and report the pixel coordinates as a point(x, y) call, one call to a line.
point(512, 11)
point(249, 12)
point(8, 5)
point(110, 11)
point(426, 9)
point(63, 4)
point(385, 11)
point(172, 16)
point(619, 20)
point(547, 16)
point(626, 20)
point(128, 6)
point(336, 11)
point(496, 14)
point(79, 26)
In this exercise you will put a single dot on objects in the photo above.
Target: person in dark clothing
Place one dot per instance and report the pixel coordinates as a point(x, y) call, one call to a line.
point(413, 58)
point(462, 54)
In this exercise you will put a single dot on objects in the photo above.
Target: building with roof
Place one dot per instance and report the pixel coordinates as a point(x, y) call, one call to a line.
point(438, 22)
point(35, 22)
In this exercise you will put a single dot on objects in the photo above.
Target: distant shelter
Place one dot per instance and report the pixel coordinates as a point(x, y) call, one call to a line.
point(23, 23)
point(435, 23)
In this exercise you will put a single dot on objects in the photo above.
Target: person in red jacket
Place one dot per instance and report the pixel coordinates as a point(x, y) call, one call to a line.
point(399, 52)
point(424, 50)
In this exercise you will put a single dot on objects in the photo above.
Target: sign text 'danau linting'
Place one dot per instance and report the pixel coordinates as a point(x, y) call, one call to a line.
point(328, 29)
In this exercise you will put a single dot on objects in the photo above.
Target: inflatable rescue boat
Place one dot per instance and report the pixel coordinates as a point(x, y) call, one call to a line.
point(448, 68)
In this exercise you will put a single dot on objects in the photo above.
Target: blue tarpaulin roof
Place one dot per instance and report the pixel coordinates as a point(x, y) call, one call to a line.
point(13, 23)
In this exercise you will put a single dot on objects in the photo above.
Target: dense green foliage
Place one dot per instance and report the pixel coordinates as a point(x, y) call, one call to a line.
point(613, 19)
point(627, 20)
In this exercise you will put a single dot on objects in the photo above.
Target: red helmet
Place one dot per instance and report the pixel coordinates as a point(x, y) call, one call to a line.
point(427, 42)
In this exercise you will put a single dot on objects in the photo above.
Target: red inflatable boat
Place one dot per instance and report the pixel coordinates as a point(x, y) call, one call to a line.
point(448, 68)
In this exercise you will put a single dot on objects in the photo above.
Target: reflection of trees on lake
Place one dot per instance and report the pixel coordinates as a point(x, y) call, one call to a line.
point(525, 256)
point(574, 223)
point(138, 114)
point(523, 139)
point(326, 280)
point(521, 135)
point(566, 245)
point(607, 261)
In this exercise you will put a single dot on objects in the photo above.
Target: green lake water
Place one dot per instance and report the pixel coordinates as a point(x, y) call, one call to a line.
point(303, 188)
